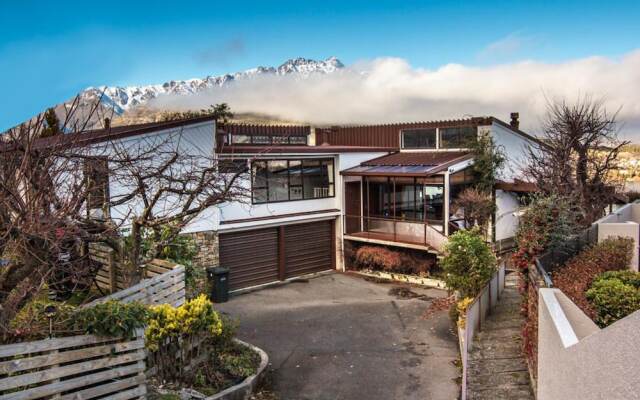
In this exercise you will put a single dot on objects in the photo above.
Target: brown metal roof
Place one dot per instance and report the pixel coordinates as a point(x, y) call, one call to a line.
point(115, 132)
point(408, 164)
point(292, 149)
point(417, 158)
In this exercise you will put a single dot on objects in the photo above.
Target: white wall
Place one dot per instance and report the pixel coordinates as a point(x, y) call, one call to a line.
point(238, 211)
point(507, 207)
point(196, 139)
point(515, 148)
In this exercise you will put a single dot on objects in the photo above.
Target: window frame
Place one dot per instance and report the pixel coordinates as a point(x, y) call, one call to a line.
point(331, 179)
point(438, 138)
point(268, 140)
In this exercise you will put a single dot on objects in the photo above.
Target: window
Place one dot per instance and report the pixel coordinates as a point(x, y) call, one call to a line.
point(232, 165)
point(286, 180)
point(407, 199)
point(264, 139)
point(97, 176)
point(419, 138)
point(457, 138)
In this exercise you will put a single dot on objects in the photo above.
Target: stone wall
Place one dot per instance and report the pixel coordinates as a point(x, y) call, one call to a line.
point(208, 249)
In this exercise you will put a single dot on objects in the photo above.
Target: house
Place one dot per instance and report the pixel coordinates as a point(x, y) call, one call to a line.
point(318, 191)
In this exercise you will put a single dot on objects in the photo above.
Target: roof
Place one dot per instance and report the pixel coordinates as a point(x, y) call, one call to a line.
point(292, 149)
point(409, 164)
point(518, 186)
point(387, 135)
point(266, 130)
point(117, 132)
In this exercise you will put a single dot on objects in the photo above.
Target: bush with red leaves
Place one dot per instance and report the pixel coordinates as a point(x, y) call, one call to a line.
point(576, 276)
point(383, 259)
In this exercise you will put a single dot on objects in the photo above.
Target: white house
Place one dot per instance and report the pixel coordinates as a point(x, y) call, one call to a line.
point(315, 191)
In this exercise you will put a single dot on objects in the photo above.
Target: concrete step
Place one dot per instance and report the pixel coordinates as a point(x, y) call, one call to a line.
point(512, 392)
point(478, 382)
point(496, 366)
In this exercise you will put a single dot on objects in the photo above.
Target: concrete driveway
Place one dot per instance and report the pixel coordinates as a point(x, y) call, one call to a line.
point(341, 337)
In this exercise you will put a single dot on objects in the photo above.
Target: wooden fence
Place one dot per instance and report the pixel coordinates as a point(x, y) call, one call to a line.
point(89, 366)
point(166, 288)
point(111, 276)
point(75, 367)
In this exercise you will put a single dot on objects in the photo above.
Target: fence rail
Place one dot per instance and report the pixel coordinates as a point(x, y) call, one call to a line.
point(475, 317)
point(75, 367)
point(168, 287)
point(89, 366)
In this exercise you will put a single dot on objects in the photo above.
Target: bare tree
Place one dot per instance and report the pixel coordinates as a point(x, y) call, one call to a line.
point(59, 193)
point(578, 155)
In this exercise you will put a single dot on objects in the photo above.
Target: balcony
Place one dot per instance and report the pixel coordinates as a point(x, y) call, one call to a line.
point(413, 234)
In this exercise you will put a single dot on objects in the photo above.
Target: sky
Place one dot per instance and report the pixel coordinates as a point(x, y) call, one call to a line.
point(49, 51)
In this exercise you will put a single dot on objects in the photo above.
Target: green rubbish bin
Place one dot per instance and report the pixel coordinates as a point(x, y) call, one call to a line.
point(219, 280)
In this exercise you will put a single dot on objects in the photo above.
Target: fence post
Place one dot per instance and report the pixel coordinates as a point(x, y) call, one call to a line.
point(113, 280)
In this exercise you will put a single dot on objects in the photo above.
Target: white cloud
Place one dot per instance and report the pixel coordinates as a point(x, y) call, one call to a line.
point(507, 46)
point(389, 89)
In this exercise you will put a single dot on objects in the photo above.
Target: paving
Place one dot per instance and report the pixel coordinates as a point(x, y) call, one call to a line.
point(497, 369)
point(342, 337)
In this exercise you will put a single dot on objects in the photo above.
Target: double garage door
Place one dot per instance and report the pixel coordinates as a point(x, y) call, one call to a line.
point(267, 255)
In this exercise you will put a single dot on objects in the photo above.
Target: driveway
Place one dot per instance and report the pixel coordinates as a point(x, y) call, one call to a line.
point(341, 337)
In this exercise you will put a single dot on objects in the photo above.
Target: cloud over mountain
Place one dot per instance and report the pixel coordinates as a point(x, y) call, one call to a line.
point(389, 89)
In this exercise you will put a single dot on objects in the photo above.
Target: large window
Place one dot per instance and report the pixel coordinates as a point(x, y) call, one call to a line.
point(419, 138)
point(457, 138)
point(407, 199)
point(286, 180)
point(440, 138)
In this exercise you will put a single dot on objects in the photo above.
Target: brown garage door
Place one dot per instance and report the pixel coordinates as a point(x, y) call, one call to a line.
point(251, 256)
point(308, 248)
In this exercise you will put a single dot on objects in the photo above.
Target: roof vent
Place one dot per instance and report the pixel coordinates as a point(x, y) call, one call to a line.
point(515, 120)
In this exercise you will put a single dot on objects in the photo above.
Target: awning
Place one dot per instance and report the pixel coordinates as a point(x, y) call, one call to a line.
point(408, 164)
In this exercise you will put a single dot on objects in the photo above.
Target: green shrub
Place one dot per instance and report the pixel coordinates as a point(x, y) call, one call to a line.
point(613, 299)
point(468, 263)
point(627, 277)
point(112, 318)
point(32, 322)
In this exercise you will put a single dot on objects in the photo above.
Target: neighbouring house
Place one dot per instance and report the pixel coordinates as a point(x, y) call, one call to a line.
point(316, 191)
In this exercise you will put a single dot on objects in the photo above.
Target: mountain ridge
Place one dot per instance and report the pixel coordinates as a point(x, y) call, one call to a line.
point(122, 99)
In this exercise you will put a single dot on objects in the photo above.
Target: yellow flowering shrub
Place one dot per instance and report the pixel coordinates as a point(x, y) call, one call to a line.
point(462, 306)
point(194, 316)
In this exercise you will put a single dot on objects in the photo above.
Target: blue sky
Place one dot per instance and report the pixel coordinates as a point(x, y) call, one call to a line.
point(51, 50)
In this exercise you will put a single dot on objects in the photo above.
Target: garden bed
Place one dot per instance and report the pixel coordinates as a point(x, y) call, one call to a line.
point(404, 278)
point(238, 370)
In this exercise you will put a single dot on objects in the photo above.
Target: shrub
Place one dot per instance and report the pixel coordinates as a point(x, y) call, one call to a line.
point(468, 263)
point(111, 318)
point(627, 277)
point(32, 322)
point(195, 316)
point(577, 275)
point(175, 336)
point(384, 259)
point(613, 299)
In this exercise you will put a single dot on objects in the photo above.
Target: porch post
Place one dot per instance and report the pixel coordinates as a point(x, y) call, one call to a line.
point(446, 204)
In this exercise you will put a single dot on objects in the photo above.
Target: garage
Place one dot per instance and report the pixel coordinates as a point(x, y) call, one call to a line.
point(260, 256)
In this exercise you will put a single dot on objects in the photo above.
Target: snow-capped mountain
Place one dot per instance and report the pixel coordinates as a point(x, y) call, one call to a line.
point(123, 99)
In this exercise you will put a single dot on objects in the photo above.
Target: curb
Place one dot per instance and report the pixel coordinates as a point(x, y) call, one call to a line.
point(244, 389)
point(413, 279)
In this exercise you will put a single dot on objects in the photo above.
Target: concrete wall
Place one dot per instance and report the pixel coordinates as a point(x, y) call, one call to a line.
point(577, 360)
point(624, 222)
